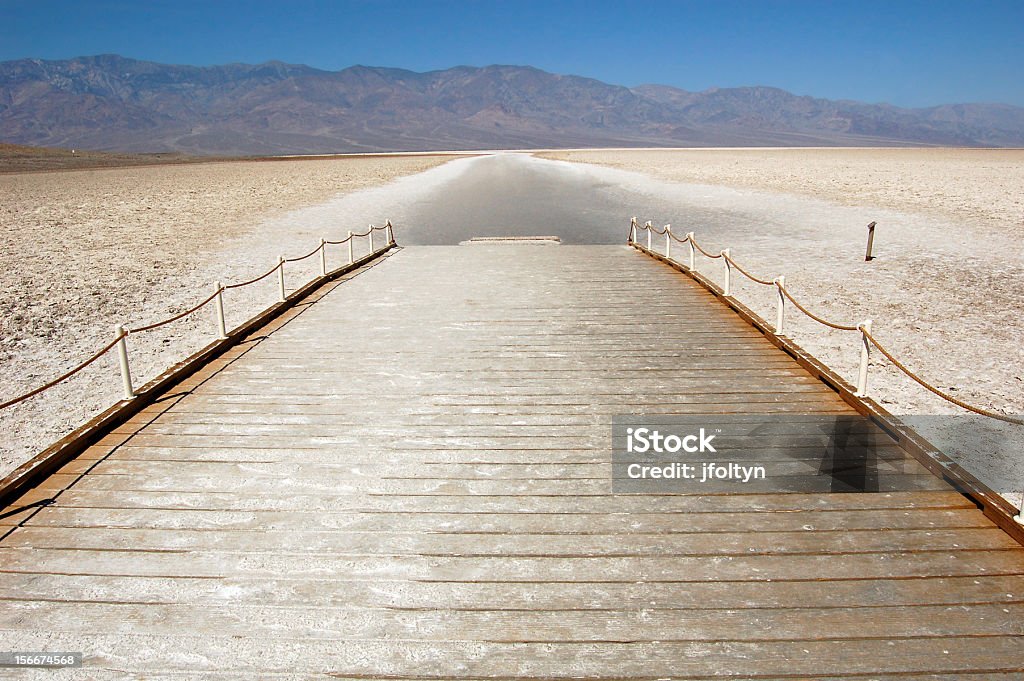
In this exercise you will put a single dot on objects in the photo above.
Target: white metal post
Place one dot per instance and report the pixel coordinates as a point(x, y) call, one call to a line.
point(351, 251)
point(865, 355)
point(323, 257)
point(693, 251)
point(728, 272)
point(391, 233)
point(780, 307)
point(632, 231)
point(218, 304)
point(371, 238)
point(122, 358)
point(280, 278)
point(668, 241)
point(650, 232)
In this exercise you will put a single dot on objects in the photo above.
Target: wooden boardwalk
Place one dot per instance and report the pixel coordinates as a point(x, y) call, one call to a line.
point(409, 477)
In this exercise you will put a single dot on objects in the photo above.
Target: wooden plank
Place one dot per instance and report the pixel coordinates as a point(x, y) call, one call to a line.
point(187, 482)
point(277, 499)
point(903, 564)
point(1002, 590)
point(67, 515)
point(418, 543)
point(542, 461)
point(299, 624)
point(473, 660)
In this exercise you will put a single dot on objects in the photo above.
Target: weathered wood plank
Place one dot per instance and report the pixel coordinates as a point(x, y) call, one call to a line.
point(895, 565)
point(257, 621)
point(419, 543)
point(1003, 590)
point(251, 484)
point(65, 514)
point(474, 660)
point(502, 503)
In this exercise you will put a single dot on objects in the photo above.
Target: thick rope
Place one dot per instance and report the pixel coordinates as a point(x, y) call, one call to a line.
point(839, 327)
point(697, 246)
point(63, 377)
point(949, 398)
point(303, 257)
point(253, 281)
point(748, 275)
point(682, 241)
point(156, 325)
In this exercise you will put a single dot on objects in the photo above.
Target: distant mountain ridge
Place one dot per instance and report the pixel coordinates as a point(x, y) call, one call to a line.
point(112, 103)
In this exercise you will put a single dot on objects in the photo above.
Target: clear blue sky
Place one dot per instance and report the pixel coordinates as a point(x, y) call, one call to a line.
point(906, 52)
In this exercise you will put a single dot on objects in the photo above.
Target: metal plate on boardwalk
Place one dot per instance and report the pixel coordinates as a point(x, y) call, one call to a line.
point(748, 454)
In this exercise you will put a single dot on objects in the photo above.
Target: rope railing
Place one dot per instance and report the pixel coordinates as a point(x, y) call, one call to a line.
point(783, 294)
point(65, 376)
point(256, 279)
point(703, 252)
point(303, 257)
point(180, 315)
point(121, 333)
point(946, 396)
point(748, 275)
point(820, 320)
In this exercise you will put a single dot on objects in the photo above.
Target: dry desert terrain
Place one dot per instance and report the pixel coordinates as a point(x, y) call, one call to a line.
point(984, 187)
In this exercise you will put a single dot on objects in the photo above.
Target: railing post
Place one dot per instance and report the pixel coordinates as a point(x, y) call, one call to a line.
point(371, 238)
point(391, 233)
point(650, 231)
point(351, 251)
point(871, 242)
point(632, 231)
point(218, 304)
point(693, 252)
point(323, 257)
point(865, 355)
point(280, 278)
point(122, 358)
point(780, 307)
point(728, 273)
point(668, 241)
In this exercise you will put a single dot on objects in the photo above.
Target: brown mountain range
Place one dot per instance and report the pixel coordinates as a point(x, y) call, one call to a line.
point(112, 103)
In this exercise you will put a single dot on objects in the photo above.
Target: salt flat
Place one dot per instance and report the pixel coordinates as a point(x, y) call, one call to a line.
point(979, 186)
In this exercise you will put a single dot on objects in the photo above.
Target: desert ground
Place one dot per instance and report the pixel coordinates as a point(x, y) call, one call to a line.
point(84, 250)
point(982, 187)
